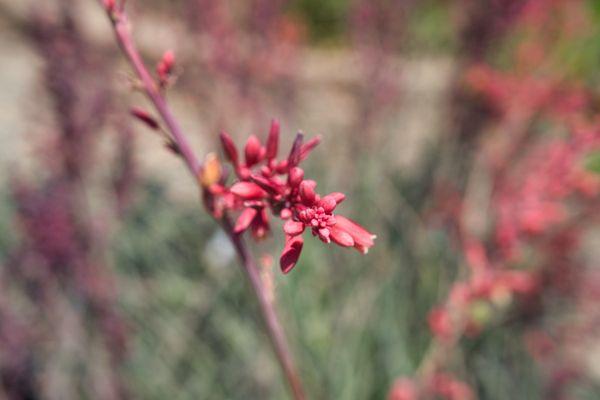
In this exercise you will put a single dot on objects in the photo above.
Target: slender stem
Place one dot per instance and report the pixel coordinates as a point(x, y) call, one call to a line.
point(123, 34)
point(267, 308)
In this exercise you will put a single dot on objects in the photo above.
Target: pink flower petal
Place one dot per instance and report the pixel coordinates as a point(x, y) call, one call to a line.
point(248, 190)
point(328, 203)
point(293, 228)
point(286, 213)
point(307, 192)
point(341, 237)
point(363, 239)
point(291, 253)
point(339, 197)
point(269, 185)
point(245, 219)
point(260, 224)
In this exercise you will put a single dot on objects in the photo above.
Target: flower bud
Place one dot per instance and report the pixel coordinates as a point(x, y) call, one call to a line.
point(252, 151)
point(295, 176)
point(229, 148)
point(273, 140)
point(294, 157)
point(307, 192)
point(211, 171)
point(291, 253)
point(145, 117)
point(328, 203)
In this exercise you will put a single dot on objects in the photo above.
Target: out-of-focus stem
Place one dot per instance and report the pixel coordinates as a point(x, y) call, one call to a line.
point(267, 308)
point(123, 34)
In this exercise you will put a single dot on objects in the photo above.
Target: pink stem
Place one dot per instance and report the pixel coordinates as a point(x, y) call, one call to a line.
point(276, 333)
point(274, 328)
point(123, 34)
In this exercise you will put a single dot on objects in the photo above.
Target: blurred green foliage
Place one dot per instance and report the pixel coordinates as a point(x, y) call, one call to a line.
point(427, 30)
point(355, 322)
point(325, 19)
point(592, 163)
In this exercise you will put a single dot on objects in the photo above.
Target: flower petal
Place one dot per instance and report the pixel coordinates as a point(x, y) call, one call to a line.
point(307, 192)
point(245, 219)
point(363, 239)
point(291, 253)
point(293, 228)
point(328, 203)
point(269, 185)
point(339, 197)
point(248, 190)
point(260, 225)
point(340, 237)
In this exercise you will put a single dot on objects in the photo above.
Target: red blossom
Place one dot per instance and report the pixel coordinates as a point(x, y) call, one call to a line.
point(265, 183)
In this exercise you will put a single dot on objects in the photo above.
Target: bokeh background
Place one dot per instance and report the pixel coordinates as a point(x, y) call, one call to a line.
point(115, 283)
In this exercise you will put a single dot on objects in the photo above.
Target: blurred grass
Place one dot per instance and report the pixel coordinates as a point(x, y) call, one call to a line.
point(355, 322)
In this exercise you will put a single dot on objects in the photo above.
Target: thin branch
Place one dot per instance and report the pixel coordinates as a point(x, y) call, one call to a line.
point(275, 331)
point(267, 308)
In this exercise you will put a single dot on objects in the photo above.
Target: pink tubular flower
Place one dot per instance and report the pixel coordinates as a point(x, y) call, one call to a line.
point(264, 182)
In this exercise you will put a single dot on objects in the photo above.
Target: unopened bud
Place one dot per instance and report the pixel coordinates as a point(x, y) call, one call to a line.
point(145, 117)
point(211, 172)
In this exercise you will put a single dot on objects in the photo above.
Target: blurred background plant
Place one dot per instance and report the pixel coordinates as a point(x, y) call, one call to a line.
point(464, 131)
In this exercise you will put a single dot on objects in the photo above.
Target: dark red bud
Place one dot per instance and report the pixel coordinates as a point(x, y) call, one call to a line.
point(145, 117)
point(294, 157)
point(273, 140)
point(229, 148)
point(252, 150)
point(295, 176)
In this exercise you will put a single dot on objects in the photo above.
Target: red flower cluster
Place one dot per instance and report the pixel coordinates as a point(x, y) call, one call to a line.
point(265, 183)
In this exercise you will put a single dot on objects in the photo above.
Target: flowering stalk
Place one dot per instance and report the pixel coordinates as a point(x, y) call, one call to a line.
point(180, 143)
